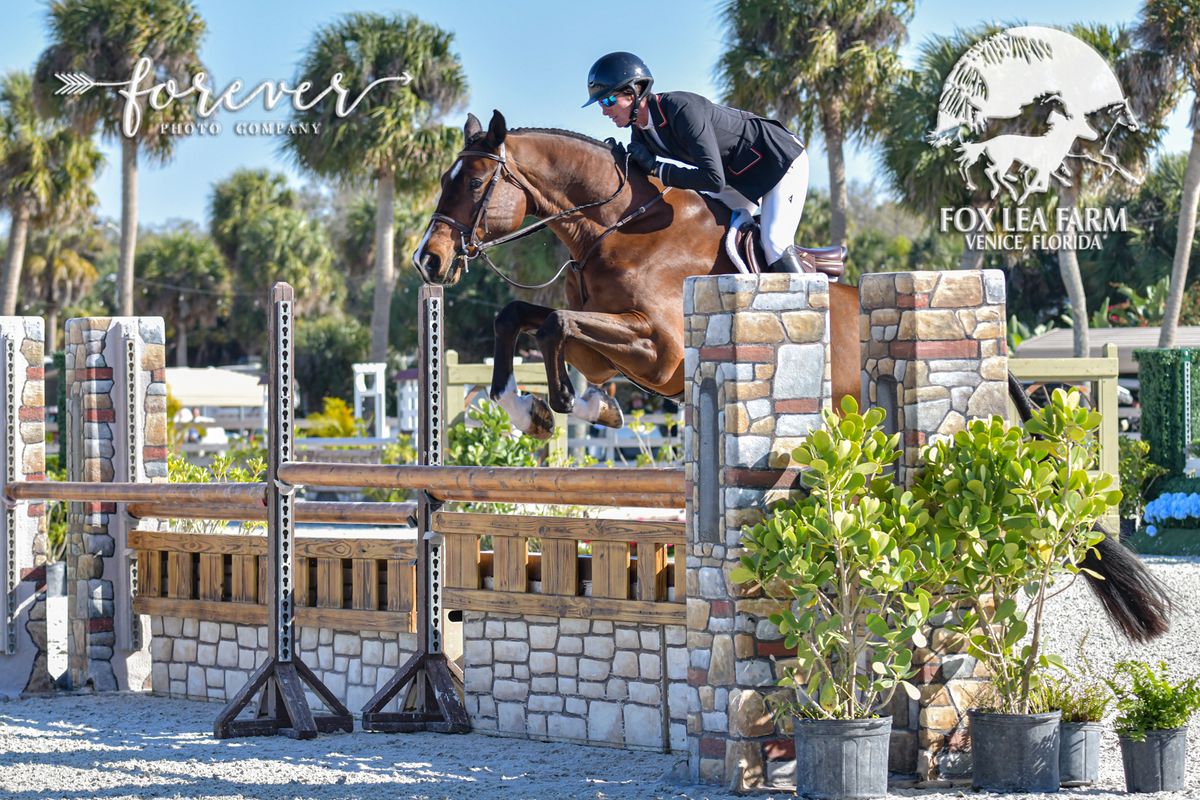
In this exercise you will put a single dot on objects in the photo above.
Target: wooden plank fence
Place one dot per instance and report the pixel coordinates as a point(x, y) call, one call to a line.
point(343, 584)
point(635, 571)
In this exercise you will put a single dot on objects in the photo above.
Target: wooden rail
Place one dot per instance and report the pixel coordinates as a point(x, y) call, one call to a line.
point(345, 584)
point(306, 511)
point(646, 488)
point(631, 569)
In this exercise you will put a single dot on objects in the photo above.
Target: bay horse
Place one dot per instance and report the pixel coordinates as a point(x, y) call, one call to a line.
point(632, 244)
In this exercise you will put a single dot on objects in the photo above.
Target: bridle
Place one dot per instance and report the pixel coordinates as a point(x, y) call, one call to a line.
point(471, 246)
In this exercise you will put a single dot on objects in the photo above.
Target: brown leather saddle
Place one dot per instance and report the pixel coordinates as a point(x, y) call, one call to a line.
point(746, 243)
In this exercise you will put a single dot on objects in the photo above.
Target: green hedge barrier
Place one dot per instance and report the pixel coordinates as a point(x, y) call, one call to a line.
point(1166, 542)
point(1163, 376)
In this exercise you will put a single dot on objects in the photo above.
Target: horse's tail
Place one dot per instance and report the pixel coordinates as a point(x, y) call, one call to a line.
point(1134, 599)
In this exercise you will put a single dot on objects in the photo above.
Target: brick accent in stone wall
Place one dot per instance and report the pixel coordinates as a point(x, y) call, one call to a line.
point(757, 369)
point(576, 680)
point(23, 557)
point(934, 357)
point(202, 660)
point(116, 390)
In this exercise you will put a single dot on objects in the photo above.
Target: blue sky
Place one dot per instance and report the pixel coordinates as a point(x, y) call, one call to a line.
point(529, 59)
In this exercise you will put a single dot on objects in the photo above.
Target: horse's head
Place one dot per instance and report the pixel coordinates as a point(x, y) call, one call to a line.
point(481, 200)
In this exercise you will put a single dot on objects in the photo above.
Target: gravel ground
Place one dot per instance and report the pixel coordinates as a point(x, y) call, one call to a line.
point(127, 746)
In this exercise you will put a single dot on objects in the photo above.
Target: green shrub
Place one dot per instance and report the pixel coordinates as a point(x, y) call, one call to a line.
point(1161, 374)
point(223, 469)
point(851, 569)
point(335, 420)
point(1078, 699)
point(1147, 700)
point(1138, 476)
point(1013, 510)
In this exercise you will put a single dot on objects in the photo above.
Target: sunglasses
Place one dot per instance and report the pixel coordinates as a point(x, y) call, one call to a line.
point(608, 102)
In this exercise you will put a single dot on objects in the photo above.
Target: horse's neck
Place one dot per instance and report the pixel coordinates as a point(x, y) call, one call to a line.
point(565, 173)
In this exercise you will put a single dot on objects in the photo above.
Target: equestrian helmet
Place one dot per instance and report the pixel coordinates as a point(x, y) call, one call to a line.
point(615, 72)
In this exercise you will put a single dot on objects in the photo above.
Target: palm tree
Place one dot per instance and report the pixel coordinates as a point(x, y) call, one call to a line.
point(1172, 28)
point(237, 200)
point(185, 280)
point(925, 178)
point(1141, 73)
point(46, 173)
point(105, 39)
point(392, 137)
point(815, 64)
point(62, 269)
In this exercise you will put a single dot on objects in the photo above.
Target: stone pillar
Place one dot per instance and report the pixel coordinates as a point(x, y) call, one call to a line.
point(115, 424)
point(757, 373)
point(935, 356)
point(22, 537)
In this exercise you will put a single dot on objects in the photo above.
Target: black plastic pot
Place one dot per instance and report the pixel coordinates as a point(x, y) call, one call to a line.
point(1157, 764)
point(1015, 752)
point(1079, 753)
point(840, 759)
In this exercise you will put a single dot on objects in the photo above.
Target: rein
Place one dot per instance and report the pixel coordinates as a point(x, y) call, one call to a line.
point(471, 246)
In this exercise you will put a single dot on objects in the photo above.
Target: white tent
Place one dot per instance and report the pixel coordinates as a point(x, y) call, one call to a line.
point(212, 387)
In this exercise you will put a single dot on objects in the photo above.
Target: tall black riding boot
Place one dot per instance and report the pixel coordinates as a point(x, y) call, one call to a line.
point(788, 262)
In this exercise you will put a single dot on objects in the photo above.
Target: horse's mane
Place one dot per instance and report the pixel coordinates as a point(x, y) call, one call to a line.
point(582, 137)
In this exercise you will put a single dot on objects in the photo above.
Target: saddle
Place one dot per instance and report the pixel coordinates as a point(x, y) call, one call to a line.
point(743, 244)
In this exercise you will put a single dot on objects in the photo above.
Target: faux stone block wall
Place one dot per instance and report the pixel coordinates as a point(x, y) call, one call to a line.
point(934, 357)
point(116, 390)
point(576, 680)
point(758, 374)
point(203, 660)
point(23, 542)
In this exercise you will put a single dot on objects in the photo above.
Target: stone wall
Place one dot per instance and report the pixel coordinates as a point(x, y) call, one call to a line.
point(203, 660)
point(23, 542)
point(576, 680)
point(116, 389)
point(935, 356)
point(758, 374)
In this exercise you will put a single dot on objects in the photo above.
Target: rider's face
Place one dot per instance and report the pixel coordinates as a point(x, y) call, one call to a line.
point(619, 112)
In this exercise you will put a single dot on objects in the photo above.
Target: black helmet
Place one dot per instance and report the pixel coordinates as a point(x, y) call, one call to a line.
point(617, 71)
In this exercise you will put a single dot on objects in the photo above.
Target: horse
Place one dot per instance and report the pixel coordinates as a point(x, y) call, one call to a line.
point(632, 243)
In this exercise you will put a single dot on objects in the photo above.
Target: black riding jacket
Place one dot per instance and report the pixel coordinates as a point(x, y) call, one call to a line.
point(728, 147)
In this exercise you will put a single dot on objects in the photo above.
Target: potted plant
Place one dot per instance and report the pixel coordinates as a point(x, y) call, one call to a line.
point(1152, 716)
point(1015, 509)
point(855, 586)
point(1082, 701)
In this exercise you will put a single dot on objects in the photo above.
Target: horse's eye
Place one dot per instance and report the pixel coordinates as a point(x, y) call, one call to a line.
point(476, 183)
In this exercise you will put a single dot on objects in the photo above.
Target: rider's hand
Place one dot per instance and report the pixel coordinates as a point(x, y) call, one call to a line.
point(641, 155)
point(618, 149)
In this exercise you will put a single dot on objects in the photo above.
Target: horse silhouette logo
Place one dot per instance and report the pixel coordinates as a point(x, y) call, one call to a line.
point(1002, 81)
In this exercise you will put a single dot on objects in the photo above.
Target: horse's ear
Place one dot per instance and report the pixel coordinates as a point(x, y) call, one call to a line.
point(497, 129)
point(471, 129)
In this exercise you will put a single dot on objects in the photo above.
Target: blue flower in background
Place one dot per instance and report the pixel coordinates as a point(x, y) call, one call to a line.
point(1151, 530)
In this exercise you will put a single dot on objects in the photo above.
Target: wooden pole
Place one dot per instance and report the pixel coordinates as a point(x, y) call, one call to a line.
point(441, 480)
point(81, 491)
point(337, 513)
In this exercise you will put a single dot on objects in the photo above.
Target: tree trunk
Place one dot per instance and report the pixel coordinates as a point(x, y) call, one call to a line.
point(129, 154)
point(972, 257)
point(181, 343)
point(1183, 244)
point(51, 331)
point(385, 270)
point(1068, 267)
point(18, 233)
point(835, 136)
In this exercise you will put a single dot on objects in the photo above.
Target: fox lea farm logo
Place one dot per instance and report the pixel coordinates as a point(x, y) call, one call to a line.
point(1011, 76)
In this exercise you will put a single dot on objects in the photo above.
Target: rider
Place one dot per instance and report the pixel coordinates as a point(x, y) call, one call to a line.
point(737, 157)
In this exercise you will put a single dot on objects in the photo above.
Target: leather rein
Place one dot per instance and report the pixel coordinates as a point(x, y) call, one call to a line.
point(471, 246)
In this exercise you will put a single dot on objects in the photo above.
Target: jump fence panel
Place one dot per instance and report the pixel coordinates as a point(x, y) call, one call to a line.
point(219, 578)
point(634, 572)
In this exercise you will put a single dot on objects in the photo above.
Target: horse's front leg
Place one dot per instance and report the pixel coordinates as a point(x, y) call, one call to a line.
point(529, 413)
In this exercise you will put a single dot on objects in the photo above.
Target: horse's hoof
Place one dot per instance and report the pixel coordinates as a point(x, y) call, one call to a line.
point(610, 415)
point(541, 425)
